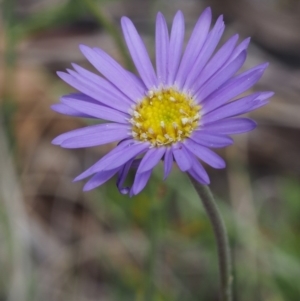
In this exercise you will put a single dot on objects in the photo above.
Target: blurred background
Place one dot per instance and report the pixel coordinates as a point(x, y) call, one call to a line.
point(58, 243)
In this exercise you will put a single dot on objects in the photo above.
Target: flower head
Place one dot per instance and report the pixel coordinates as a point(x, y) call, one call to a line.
point(176, 113)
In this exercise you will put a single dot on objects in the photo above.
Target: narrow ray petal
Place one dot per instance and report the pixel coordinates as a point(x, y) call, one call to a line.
point(140, 181)
point(96, 138)
point(265, 95)
point(194, 46)
point(122, 157)
point(207, 50)
point(216, 62)
point(138, 53)
point(93, 91)
point(63, 109)
point(237, 107)
point(175, 49)
point(109, 95)
point(98, 166)
point(113, 72)
point(162, 48)
point(209, 139)
point(168, 162)
point(99, 129)
point(99, 179)
point(221, 77)
point(197, 176)
point(205, 154)
point(239, 49)
point(82, 97)
point(122, 177)
point(198, 172)
point(231, 126)
point(102, 83)
point(232, 89)
point(95, 110)
point(262, 100)
point(151, 158)
point(181, 157)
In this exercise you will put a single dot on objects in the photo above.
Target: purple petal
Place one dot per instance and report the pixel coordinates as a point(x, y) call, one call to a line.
point(216, 62)
point(221, 77)
point(140, 181)
point(198, 172)
point(102, 83)
point(151, 158)
point(138, 53)
point(265, 95)
point(197, 176)
point(104, 161)
point(123, 156)
point(239, 49)
point(90, 89)
point(82, 97)
point(175, 49)
point(205, 154)
point(113, 98)
point(209, 139)
point(262, 66)
point(114, 72)
point(231, 126)
point(122, 177)
point(162, 48)
point(87, 130)
point(194, 46)
point(94, 139)
point(168, 162)
point(63, 109)
point(181, 156)
point(207, 50)
point(95, 110)
point(232, 88)
point(99, 179)
point(262, 100)
point(237, 107)
point(92, 136)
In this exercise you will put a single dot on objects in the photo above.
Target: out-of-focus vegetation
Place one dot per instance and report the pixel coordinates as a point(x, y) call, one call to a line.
point(58, 243)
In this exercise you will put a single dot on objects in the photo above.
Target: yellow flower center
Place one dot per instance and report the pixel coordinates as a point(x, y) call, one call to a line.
point(164, 117)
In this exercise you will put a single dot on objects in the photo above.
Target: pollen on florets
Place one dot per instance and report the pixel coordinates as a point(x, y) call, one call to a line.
point(164, 117)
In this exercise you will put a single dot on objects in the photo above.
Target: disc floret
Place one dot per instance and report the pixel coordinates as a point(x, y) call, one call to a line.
point(164, 117)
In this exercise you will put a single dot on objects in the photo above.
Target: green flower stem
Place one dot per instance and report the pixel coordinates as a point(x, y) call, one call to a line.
point(95, 10)
point(221, 237)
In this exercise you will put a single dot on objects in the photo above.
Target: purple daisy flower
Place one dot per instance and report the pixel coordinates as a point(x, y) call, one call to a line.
point(177, 113)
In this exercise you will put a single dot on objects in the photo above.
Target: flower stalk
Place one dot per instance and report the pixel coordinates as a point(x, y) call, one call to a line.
point(219, 229)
